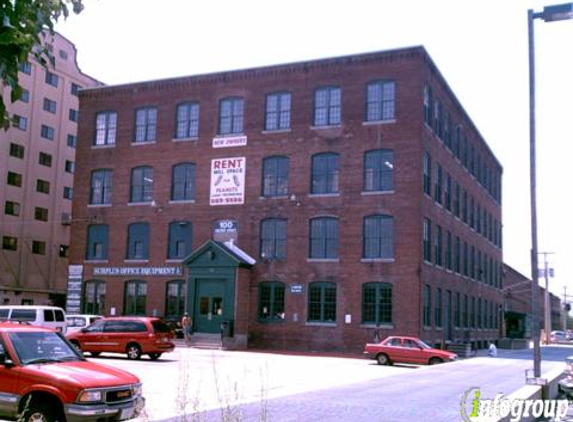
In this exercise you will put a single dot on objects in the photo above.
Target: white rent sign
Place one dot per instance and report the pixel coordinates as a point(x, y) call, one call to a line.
point(228, 181)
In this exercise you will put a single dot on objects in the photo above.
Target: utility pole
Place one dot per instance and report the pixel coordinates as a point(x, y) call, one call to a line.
point(547, 315)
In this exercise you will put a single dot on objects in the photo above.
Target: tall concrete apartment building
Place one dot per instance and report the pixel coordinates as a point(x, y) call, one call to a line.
point(300, 206)
point(37, 166)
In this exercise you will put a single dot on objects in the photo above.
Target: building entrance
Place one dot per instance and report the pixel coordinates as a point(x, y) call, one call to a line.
point(209, 305)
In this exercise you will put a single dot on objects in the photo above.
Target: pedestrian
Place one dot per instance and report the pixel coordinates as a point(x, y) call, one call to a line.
point(186, 325)
point(492, 351)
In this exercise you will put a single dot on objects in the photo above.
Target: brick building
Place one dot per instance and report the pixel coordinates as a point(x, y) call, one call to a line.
point(37, 164)
point(308, 204)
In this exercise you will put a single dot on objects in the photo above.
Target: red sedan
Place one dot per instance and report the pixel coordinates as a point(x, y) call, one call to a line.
point(399, 349)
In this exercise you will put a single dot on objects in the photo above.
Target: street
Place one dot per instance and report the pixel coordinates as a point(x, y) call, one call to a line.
point(205, 385)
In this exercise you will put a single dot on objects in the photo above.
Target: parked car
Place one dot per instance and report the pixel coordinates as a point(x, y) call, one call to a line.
point(557, 336)
point(77, 322)
point(45, 379)
point(400, 349)
point(42, 316)
point(134, 336)
point(174, 323)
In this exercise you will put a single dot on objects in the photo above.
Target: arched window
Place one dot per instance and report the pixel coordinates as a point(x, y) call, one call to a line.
point(94, 297)
point(135, 297)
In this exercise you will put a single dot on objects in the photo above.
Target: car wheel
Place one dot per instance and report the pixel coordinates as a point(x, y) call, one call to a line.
point(95, 354)
point(154, 356)
point(40, 412)
point(435, 361)
point(382, 359)
point(133, 351)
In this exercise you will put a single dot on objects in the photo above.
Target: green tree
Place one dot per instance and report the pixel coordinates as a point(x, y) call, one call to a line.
point(24, 24)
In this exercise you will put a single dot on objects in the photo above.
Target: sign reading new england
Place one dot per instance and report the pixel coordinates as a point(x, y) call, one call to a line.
point(135, 271)
point(235, 141)
point(227, 181)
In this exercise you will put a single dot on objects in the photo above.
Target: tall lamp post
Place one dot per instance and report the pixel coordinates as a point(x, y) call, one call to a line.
point(549, 14)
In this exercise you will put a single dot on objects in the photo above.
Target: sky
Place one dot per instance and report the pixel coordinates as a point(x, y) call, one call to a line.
point(480, 47)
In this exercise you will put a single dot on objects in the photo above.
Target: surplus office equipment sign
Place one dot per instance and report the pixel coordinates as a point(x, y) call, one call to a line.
point(137, 271)
point(228, 181)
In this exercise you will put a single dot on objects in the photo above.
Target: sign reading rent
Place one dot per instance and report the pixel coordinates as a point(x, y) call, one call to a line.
point(228, 181)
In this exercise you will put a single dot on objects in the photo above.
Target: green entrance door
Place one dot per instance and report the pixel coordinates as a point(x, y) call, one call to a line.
point(209, 305)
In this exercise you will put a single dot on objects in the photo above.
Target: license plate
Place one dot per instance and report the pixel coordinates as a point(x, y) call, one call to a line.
point(127, 413)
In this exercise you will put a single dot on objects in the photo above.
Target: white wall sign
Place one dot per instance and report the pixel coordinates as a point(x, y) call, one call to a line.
point(228, 181)
point(235, 141)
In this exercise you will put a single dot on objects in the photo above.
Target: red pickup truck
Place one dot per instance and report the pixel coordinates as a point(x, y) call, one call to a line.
point(43, 378)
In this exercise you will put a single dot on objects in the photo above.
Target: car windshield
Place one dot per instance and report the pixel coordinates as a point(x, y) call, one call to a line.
point(423, 345)
point(160, 327)
point(42, 347)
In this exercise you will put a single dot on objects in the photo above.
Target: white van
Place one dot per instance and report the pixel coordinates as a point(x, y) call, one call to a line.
point(43, 316)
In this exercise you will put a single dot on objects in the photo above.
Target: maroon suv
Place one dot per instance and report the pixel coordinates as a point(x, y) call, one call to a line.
point(134, 336)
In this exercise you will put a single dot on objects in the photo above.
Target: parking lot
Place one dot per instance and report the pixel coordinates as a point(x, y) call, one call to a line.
point(189, 381)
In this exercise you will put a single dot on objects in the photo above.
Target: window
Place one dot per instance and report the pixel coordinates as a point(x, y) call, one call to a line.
point(145, 124)
point(380, 101)
point(457, 310)
point(273, 239)
point(438, 308)
point(25, 96)
point(25, 67)
point(438, 119)
point(271, 301)
point(324, 238)
point(52, 79)
point(427, 313)
point(324, 173)
point(10, 243)
point(187, 121)
point(63, 251)
point(428, 105)
point(231, 116)
point(12, 208)
point(42, 186)
point(378, 237)
point(72, 141)
point(322, 302)
point(438, 184)
point(50, 106)
point(438, 246)
point(427, 240)
point(327, 105)
point(38, 247)
point(14, 179)
point(275, 176)
point(45, 159)
point(75, 88)
point(70, 166)
point(41, 214)
point(47, 132)
point(73, 115)
point(135, 297)
point(277, 112)
point(377, 303)
point(63, 54)
point(448, 193)
point(141, 184)
point(175, 298)
point(16, 150)
point(68, 192)
point(183, 182)
point(138, 241)
point(180, 235)
point(97, 242)
point(94, 297)
point(427, 174)
point(101, 187)
point(20, 122)
point(449, 262)
point(457, 256)
point(379, 170)
point(106, 125)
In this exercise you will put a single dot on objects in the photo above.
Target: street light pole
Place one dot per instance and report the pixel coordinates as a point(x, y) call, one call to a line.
point(549, 14)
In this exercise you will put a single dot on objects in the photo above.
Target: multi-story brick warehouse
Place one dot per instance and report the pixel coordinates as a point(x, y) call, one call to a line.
point(37, 163)
point(357, 193)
